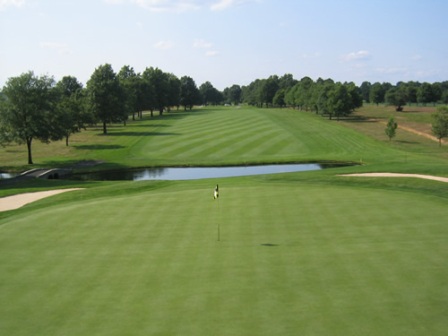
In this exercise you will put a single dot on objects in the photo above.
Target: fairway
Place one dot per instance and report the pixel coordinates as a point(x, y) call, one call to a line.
point(294, 258)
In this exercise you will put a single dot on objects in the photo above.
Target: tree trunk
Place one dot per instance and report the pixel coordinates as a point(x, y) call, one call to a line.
point(161, 111)
point(104, 128)
point(28, 145)
point(66, 140)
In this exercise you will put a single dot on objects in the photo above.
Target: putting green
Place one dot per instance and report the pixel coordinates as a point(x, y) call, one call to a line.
point(294, 258)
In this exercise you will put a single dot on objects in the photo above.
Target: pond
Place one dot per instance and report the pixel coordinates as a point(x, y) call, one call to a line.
point(195, 173)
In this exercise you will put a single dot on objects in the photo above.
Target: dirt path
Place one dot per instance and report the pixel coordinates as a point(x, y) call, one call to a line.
point(428, 177)
point(409, 129)
point(17, 201)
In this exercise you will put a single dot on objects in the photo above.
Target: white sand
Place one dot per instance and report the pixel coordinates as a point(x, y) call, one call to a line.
point(428, 177)
point(17, 201)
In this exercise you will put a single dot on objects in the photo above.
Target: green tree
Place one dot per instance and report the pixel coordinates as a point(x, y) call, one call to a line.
point(27, 109)
point(209, 94)
point(189, 93)
point(391, 128)
point(376, 93)
point(440, 123)
point(129, 82)
point(365, 91)
point(339, 102)
point(71, 115)
point(173, 91)
point(233, 94)
point(268, 90)
point(397, 97)
point(159, 83)
point(425, 94)
point(105, 96)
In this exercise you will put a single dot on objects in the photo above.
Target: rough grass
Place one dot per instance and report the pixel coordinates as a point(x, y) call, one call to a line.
point(294, 258)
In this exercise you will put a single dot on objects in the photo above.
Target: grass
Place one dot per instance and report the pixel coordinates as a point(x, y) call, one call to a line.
point(302, 253)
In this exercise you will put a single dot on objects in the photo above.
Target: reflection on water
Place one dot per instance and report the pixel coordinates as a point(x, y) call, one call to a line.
point(194, 173)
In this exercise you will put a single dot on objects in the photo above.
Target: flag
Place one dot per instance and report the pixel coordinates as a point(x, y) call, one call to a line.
point(216, 193)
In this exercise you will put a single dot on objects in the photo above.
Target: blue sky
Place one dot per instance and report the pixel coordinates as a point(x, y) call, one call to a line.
point(228, 42)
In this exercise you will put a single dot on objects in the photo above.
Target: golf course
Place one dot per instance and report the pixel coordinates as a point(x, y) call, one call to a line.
point(305, 253)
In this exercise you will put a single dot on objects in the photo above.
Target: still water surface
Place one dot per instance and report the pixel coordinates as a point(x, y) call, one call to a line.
point(195, 173)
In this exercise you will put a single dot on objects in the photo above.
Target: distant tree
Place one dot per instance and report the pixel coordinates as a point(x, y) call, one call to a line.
point(233, 94)
point(397, 97)
point(27, 109)
point(286, 82)
point(355, 95)
point(425, 94)
point(209, 94)
point(279, 98)
point(440, 123)
point(268, 90)
point(365, 91)
point(173, 91)
point(189, 93)
point(71, 116)
point(377, 93)
point(339, 102)
point(159, 83)
point(391, 128)
point(303, 93)
point(129, 82)
point(105, 96)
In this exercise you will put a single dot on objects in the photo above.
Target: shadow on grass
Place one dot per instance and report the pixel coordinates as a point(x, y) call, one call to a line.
point(98, 147)
point(131, 133)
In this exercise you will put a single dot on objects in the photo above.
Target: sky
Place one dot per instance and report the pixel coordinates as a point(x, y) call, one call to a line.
point(228, 42)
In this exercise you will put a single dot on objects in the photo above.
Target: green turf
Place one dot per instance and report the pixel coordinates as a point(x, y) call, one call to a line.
point(294, 258)
point(300, 254)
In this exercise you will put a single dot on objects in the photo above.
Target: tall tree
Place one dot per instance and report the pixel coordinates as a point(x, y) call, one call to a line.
point(377, 93)
point(189, 93)
point(440, 123)
point(159, 83)
point(365, 91)
point(71, 114)
point(233, 94)
point(339, 102)
point(105, 95)
point(425, 94)
point(129, 82)
point(209, 94)
point(173, 91)
point(396, 96)
point(27, 109)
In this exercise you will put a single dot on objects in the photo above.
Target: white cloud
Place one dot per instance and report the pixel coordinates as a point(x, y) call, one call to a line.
point(164, 45)
point(60, 48)
point(211, 53)
point(226, 4)
point(417, 57)
point(202, 44)
point(356, 56)
point(4, 4)
point(178, 6)
point(392, 70)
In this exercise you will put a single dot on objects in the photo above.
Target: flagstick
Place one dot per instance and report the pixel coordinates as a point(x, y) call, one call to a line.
point(219, 231)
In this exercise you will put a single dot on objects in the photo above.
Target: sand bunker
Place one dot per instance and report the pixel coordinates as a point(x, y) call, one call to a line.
point(17, 201)
point(428, 177)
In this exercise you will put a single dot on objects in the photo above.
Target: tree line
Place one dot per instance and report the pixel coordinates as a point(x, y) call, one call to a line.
point(39, 108)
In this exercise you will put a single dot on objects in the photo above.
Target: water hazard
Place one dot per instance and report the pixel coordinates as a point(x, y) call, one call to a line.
point(195, 173)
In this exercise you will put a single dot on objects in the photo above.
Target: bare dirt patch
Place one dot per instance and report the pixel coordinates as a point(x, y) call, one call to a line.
point(17, 201)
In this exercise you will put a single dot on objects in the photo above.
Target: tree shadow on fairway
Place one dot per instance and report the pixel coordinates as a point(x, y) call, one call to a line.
point(130, 133)
point(98, 147)
point(269, 244)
